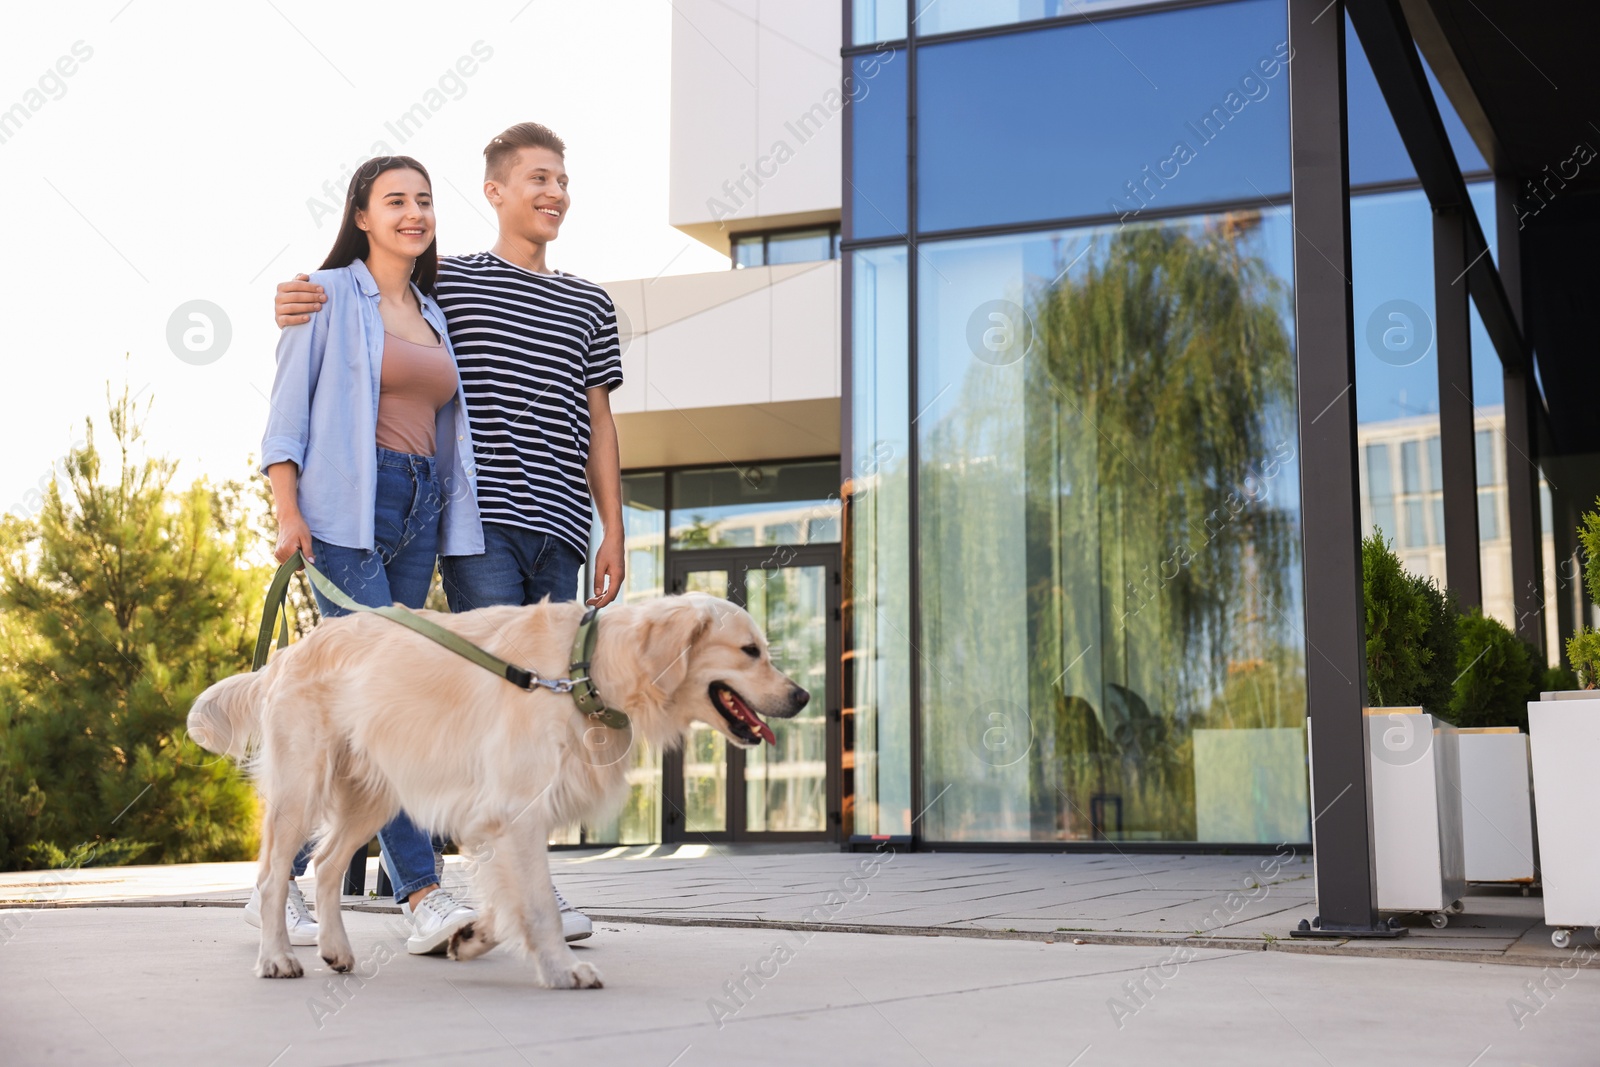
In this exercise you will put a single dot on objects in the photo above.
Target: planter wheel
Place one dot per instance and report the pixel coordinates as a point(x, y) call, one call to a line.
point(1455, 909)
point(1439, 919)
point(1561, 938)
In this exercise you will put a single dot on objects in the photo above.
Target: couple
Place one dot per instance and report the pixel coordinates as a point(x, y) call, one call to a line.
point(448, 410)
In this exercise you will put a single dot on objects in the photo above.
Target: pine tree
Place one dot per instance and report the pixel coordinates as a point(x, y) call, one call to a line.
point(119, 603)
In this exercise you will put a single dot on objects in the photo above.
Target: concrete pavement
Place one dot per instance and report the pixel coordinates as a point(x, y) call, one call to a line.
point(166, 985)
point(1249, 902)
point(783, 955)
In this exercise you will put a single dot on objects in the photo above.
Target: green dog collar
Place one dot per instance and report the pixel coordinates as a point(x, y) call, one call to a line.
point(584, 693)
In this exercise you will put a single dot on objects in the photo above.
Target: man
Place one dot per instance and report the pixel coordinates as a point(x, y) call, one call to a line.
point(539, 355)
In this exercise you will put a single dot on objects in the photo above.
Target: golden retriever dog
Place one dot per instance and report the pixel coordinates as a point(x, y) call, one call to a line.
point(364, 717)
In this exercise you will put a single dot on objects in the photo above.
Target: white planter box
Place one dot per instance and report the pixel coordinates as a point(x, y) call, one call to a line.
point(1415, 766)
point(1497, 805)
point(1564, 731)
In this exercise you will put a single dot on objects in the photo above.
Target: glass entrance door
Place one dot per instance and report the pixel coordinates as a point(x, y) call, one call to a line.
point(718, 792)
point(704, 760)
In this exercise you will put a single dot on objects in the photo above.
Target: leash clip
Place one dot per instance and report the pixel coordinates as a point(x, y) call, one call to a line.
point(554, 685)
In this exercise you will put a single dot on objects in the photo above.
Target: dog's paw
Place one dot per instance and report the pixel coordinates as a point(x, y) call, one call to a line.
point(469, 942)
point(338, 958)
point(283, 965)
point(574, 976)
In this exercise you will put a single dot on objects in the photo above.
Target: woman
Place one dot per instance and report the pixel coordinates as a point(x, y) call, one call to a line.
point(370, 457)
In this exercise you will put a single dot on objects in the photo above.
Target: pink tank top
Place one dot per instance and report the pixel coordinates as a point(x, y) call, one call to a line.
point(414, 383)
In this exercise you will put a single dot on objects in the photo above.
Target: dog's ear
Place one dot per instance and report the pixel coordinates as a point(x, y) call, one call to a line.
point(670, 639)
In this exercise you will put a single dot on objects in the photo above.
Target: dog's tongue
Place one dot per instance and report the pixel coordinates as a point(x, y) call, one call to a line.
point(765, 731)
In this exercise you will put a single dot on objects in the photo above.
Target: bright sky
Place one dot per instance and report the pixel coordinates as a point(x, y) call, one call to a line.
point(176, 161)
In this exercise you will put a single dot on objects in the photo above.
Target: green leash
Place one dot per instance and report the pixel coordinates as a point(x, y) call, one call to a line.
point(580, 686)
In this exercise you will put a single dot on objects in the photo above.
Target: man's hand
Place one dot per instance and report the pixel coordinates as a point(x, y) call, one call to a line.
point(604, 468)
point(298, 300)
point(609, 570)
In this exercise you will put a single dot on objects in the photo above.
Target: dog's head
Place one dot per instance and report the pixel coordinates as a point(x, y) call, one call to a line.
point(704, 659)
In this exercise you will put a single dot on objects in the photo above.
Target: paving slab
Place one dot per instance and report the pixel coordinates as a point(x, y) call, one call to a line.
point(168, 985)
point(1108, 897)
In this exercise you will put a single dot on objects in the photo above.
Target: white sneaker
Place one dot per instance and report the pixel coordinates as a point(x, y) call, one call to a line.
point(302, 927)
point(575, 925)
point(435, 919)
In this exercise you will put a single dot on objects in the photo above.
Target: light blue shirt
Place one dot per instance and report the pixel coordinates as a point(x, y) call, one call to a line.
point(324, 418)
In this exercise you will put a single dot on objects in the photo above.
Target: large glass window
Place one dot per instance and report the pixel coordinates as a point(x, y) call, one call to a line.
point(756, 504)
point(1547, 556)
point(1493, 452)
point(1378, 488)
point(786, 783)
point(877, 177)
point(1377, 154)
point(799, 247)
point(1120, 115)
point(644, 525)
point(877, 575)
point(877, 20)
point(644, 518)
point(749, 250)
point(1397, 373)
point(1484, 455)
point(949, 16)
point(786, 246)
point(1488, 515)
point(1108, 518)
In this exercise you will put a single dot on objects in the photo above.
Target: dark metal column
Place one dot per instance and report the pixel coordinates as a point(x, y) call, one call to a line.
point(1453, 329)
point(1522, 472)
point(1330, 509)
point(913, 448)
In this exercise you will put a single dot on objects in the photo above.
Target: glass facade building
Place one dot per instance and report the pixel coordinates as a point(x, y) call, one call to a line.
point(1074, 580)
point(1072, 558)
point(1133, 345)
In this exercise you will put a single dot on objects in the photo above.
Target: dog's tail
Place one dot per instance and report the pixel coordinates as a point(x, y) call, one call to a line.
point(226, 718)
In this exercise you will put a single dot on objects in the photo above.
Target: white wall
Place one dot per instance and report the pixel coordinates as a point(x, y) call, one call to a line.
point(756, 115)
point(734, 365)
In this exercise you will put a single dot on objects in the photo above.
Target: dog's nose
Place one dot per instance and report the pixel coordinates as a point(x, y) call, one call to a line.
point(798, 697)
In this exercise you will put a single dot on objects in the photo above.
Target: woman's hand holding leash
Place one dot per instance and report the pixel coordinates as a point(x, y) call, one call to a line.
point(293, 536)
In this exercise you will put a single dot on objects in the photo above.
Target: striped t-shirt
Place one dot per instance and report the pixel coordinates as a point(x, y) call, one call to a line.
point(528, 346)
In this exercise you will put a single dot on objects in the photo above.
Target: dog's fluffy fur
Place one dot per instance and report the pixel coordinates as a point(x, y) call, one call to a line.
point(364, 717)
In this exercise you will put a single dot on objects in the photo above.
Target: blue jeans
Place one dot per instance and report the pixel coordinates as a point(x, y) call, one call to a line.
point(517, 567)
point(399, 569)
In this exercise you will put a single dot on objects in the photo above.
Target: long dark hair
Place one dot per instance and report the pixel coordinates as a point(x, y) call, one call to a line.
point(351, 243)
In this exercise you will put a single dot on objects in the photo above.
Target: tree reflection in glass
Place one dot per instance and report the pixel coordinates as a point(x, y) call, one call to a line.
point(1108, 516)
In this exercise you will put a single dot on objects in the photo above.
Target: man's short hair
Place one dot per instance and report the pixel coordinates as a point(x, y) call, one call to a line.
point(500, 151)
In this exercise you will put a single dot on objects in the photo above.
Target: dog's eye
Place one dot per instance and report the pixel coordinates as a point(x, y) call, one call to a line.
point(753, 651)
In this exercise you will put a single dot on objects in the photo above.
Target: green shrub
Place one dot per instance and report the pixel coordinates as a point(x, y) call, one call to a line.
point(1441, 641)
point(1583, 652)
point(1411, 633)
point(1556, 679)
point(1589, 541)
point(1494, 680)
point(1583, 648)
